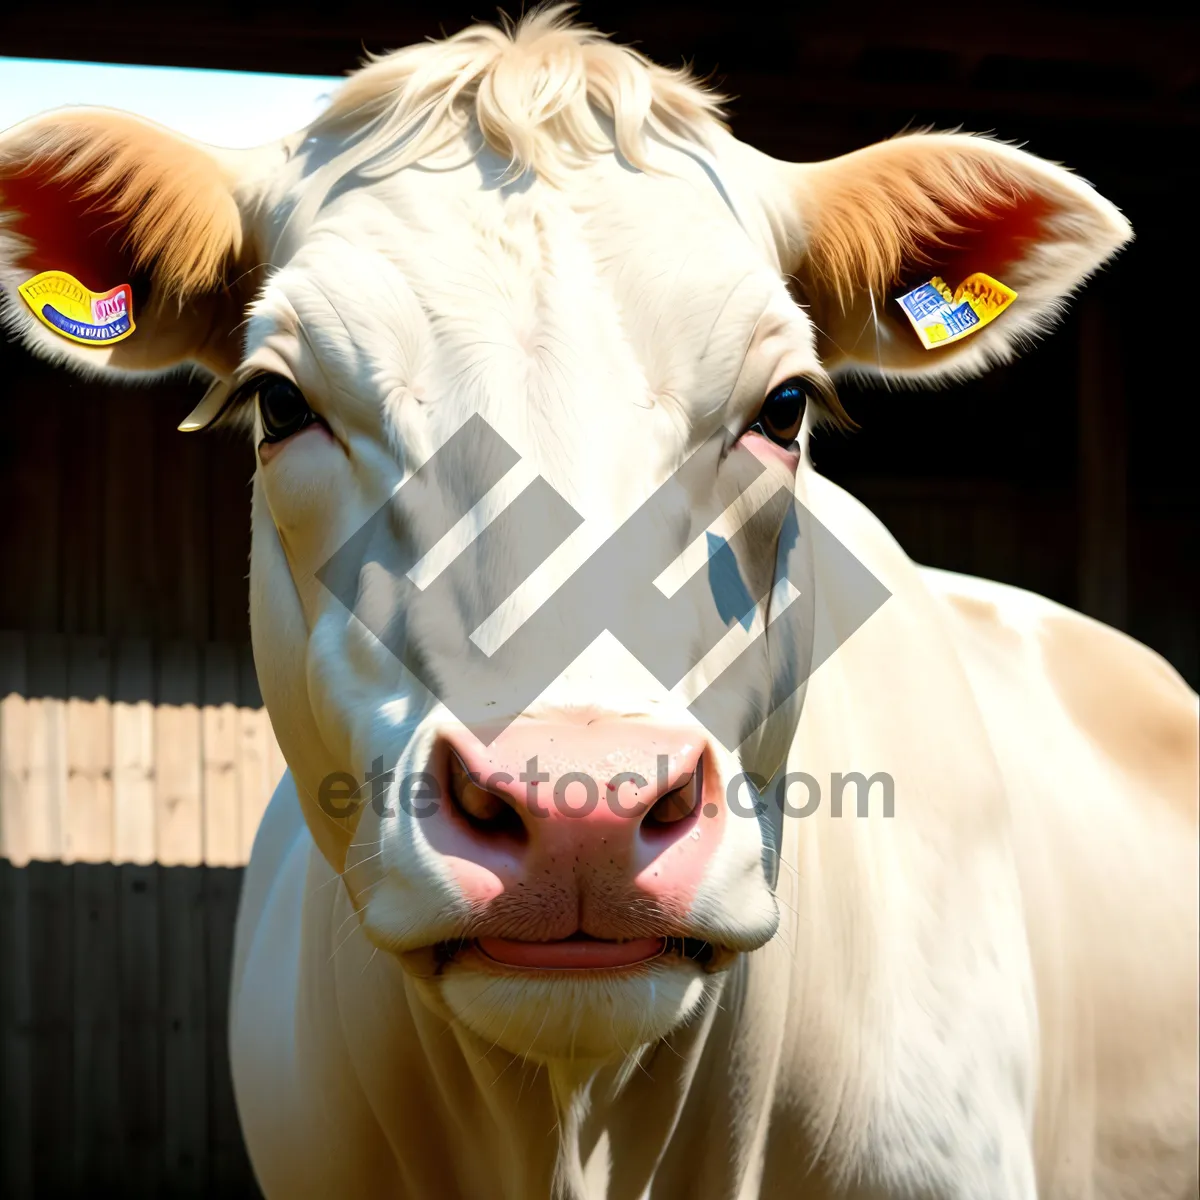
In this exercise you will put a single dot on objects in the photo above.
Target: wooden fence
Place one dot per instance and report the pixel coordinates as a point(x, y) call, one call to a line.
point(132, 780)
point(123, 751)
point(114, 1072)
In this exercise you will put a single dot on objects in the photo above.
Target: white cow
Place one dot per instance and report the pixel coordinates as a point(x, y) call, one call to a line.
point(507, 992)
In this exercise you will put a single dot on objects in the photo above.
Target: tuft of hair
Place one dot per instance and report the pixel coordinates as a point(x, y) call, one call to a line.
point(179, 215)
point(532, 88)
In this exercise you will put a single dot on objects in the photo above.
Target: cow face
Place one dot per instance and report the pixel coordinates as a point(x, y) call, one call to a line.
point(529, 399)
point(510, 330)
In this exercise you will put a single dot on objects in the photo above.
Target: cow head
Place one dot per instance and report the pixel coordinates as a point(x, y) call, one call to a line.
point(513, 296)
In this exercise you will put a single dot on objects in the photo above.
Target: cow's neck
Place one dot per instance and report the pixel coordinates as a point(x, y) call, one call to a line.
point(558, 1129)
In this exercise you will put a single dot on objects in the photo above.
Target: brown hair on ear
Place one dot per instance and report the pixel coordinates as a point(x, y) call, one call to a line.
point(109, 197)
point(870, 226)
point(887, 213)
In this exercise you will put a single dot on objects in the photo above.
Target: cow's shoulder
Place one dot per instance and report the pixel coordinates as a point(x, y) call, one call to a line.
point(1129, 703)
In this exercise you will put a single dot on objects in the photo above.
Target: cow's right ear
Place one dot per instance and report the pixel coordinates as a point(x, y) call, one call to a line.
point(110, 199)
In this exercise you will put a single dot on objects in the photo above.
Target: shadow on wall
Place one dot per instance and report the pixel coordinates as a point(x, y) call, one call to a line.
point(114, 985)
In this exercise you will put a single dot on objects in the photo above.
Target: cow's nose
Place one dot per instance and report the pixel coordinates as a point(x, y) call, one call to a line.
point(620, 797)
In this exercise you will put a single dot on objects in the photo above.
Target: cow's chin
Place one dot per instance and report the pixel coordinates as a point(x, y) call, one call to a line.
point(555, 1015)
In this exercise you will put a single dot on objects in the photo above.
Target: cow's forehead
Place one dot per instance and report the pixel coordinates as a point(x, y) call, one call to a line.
point(605, 293)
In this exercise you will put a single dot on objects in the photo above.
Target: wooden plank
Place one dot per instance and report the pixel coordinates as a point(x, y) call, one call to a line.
point(219, 730)
point(14, 750)
point(52, 1114)
point(140, 1043)
point(133, 752)
point(130, 555)
point(179, 828)
point(30, 491)
point(255, 742)
point(183, 992)
point(231, 469)
point(46, 727)
point(16, 1019)
point(85, 415)
point(96, 1095)
point(89, 824)
point(230, 1172)
point(252, 698)
point(181, 542)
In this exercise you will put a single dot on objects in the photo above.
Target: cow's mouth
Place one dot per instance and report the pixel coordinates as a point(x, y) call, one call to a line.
point(580, 952)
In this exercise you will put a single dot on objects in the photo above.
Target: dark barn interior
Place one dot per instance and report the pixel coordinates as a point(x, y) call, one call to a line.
point(1068, 472)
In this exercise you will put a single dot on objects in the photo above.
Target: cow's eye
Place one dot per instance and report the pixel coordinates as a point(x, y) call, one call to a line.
point(782, 412)
point(282, 408)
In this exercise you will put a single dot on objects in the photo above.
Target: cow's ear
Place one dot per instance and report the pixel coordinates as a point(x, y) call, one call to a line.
point(108, 199)
point(867, 228)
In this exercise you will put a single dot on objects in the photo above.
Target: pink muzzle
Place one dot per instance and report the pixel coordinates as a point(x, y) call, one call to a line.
point(577, 834)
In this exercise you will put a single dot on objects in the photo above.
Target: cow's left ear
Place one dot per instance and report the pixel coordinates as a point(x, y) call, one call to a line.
point(866, 228)
point(108, 199)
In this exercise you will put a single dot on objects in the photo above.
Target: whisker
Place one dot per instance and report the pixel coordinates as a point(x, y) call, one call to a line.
point(347, 937)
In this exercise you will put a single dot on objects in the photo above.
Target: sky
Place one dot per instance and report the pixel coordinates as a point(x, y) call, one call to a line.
point(225, 108)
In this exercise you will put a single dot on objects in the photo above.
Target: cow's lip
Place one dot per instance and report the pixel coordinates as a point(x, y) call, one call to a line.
point(571, 954)
point(580, 952)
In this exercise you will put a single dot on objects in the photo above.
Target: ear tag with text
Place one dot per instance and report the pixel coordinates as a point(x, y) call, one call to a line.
point(77, 313)
point(940, 316)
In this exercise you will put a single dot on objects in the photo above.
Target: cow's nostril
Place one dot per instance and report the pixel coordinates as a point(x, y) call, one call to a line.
point(677, 805)
point(484, 811)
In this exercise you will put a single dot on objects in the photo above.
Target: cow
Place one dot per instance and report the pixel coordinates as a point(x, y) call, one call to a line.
point(515, 933)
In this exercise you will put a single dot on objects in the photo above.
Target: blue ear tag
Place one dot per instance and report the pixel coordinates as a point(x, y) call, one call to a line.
point(940, 316)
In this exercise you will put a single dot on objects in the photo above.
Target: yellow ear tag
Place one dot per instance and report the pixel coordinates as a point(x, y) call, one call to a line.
point(941, 317)
point(80, 315)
